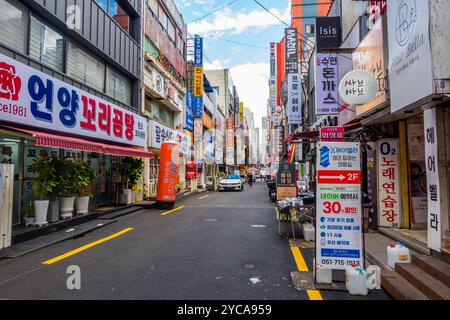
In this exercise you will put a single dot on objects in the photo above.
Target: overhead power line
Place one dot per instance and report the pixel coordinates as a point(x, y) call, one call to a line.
point(305, 39)
point(214, 11)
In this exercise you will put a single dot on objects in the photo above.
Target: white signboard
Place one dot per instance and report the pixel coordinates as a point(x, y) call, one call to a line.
point(30, 97)
point(294, 99)
point(358, 87)
point(327, 84)
point(409, 52)
point(433, 185)
point(389, 190)
point(339, 213)
point(158, 83)
point(161, 133)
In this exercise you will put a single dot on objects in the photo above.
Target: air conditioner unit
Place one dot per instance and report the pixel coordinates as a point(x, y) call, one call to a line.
point(6, 203)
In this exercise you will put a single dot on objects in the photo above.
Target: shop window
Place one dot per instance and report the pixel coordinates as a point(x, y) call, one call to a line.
point(118, 86)
point(46, 45)
point(13, 21)
point(85, 68)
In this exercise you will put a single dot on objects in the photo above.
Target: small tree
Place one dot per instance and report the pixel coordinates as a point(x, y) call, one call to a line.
point(82, 176)
point(130, 170)
point(46, 181)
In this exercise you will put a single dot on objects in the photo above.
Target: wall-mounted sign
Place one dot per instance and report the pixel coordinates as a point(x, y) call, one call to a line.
point(198, 130)
point(291, 51)
point(389, 191)
point(327, 84)
point(339, 233)
point(328, 32)
point(293, 109)
point(198, 82)
point(30, 97)
point(230, 143)
point(332, 134)
point(189, 111)
point(433, 181)
point(207, 121)
point(358, 87)
point(198, 52)
point(409, 52)
point(161, 133)
point(159, 83)
point(369, 56)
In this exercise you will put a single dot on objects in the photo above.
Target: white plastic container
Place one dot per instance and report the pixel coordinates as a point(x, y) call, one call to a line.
point(397, 253)
point(356, 281)
point(309, 232)
point(323, 276)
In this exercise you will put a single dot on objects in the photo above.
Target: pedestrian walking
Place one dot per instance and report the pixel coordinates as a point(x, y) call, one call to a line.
point(250, 179)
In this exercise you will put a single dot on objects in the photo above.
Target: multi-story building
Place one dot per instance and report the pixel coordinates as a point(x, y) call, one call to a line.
point(164, 90)
point(70, 87)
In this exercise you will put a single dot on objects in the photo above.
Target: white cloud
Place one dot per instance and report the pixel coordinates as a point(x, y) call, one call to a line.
point(251, 81)
point(215, 65)
point(229, 20)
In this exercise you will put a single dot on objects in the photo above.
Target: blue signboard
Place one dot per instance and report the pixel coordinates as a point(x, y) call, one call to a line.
point(189, 111)
point(198, 52)
point(198, 107)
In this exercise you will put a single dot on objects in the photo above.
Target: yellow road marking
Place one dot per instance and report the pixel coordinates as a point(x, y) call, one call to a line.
point(314, 295)
point(299, 260)
point(85, 247)
point(172, 211)
point(203, 197)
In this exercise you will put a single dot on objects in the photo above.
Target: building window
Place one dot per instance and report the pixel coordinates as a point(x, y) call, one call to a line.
point(46, 45)
point(13, 21)
point(85, 68)
point(309, 29)
point(171, 32)
point(153, 7)
point(163, 18)
point(118, 86)
point(217, 90)
point(115, 10)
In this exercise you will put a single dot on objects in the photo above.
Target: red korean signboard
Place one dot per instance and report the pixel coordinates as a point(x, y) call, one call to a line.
point(332, 134)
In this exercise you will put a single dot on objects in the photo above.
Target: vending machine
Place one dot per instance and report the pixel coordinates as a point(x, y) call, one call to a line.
point(6, 203)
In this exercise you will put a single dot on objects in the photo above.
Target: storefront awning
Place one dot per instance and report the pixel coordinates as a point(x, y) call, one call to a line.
point(43, 139)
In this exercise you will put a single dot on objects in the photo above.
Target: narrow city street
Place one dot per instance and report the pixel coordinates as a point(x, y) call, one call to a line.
point(221, 246)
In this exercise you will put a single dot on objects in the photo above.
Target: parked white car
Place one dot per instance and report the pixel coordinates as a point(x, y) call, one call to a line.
point(231, 182)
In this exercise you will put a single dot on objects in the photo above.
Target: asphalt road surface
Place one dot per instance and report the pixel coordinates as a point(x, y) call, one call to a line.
point(216, 246)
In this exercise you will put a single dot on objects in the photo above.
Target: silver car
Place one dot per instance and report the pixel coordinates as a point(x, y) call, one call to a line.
point(231, 182)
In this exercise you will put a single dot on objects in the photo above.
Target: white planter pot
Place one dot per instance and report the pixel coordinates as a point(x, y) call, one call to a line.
point(66, 207)
point(125, 197)
point(29, 222)
point(40, 212)
point(82, 204)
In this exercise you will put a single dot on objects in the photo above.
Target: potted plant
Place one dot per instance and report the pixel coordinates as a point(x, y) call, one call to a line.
point(130, 170)
point(43, 186)
point(83, 176)
point(28, 214)
point(58, 191)
point(67, 200)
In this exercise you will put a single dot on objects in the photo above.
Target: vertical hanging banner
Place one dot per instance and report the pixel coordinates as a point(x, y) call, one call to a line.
point(189, 111)
point(198, 78)
point(237, 112)
point(433, 183)
point(291, 58)
point(294, 99)
point(339, 213)
point(388, 183)
point(241, 114)
point(230, 143)
point(327, 84)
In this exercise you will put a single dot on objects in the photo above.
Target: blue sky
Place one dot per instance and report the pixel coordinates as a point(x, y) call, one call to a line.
point(243, 21)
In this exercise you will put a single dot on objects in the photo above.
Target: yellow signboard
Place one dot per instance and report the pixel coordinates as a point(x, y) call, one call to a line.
point(241, 111)
point(198, 82)
point(207, 121)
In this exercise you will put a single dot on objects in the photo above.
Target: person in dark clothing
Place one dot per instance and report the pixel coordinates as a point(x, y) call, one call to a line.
point(250, 179)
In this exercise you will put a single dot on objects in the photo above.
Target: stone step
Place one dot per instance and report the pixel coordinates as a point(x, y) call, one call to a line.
point(427, 284)
point(437, 268)
point(399, 288)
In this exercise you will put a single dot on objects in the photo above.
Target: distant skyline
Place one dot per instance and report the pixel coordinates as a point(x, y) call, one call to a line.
point(223, 32)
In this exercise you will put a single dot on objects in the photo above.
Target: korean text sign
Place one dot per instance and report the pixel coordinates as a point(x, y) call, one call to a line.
point(30, 97)
point(294, 99)
point(327, 84)
point(389, 183)
point(339, 213)
point(189, 111)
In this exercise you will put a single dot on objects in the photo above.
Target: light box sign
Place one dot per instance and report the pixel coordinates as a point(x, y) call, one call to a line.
point(30, 97)
point(339, 210)
point(358, 87)
point(389, 183)
point(329, 32)
point(327, 84)
point(189, 111)
point(294, 112)
point(291, 58)
point(332, 134)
